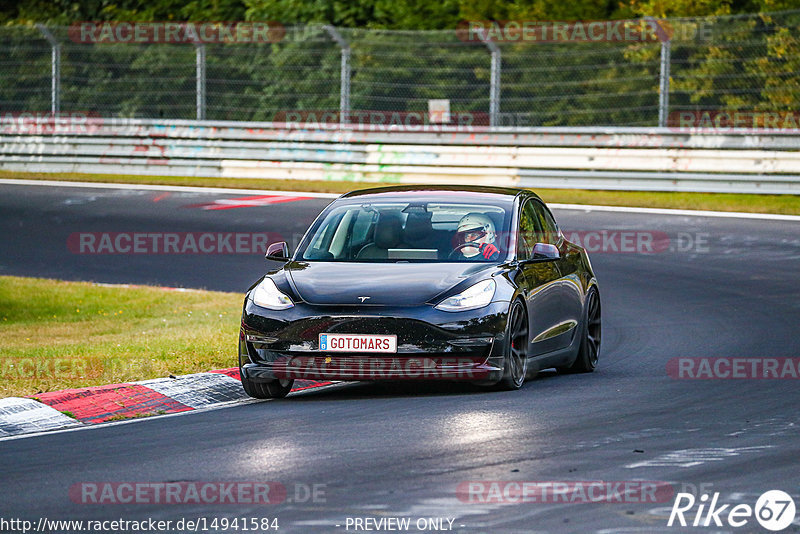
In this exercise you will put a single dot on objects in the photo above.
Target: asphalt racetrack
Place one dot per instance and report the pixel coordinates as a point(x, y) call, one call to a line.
point(446, 453)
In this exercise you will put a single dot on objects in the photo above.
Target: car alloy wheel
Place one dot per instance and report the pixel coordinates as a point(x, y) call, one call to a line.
point(515, 366)
point(589, 351)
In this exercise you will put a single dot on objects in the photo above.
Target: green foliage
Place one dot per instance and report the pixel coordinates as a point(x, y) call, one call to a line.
point(385, 14)
point(65, 12)
point(718, 61)
point(676, 8)
point(395, 14)
point(536, 10)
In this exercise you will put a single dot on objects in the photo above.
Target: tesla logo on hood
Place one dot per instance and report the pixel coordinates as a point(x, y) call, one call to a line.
point(362, 299)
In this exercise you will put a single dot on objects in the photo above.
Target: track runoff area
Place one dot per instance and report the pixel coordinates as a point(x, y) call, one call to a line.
point(688, 420)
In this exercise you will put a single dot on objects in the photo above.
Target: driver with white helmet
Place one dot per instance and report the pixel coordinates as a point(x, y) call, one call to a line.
point(476, 235)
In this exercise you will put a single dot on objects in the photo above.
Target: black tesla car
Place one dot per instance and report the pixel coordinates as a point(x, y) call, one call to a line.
point(423, 283)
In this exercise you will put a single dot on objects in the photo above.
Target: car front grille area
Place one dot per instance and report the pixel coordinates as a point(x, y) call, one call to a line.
point(463, 365)
point(359, 367)
point(407, 330)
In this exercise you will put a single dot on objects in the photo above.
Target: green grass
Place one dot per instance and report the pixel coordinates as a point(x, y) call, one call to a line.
point(782, 204)
point(320, 186)
point(56, 335)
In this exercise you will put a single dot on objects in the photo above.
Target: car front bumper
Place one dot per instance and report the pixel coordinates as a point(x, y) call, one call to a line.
point(431, 344)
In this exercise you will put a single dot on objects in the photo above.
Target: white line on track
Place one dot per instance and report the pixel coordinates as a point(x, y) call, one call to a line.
point(173, 188)
point(690, 213)
point(582, 207)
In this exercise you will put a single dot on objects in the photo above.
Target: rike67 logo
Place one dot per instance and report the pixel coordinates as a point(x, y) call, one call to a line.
point(774, 510)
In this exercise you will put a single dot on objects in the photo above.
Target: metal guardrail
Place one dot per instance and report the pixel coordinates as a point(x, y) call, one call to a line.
point(650, 137)
point(652, 159)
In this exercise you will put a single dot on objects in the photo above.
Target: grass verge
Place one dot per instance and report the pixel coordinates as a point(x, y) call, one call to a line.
point(781, 204)
point(56, 335)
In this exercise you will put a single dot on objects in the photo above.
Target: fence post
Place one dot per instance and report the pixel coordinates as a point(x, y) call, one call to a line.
point(55, 69)
point(663, 76)
point(494, 81)
point(200, 53)
point(663, 97)
point(344, 71)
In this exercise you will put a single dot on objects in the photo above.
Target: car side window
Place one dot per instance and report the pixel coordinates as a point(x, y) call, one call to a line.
point(549, 228)
point(529, 230)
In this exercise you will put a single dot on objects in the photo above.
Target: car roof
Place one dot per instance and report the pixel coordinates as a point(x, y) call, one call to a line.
point(437, 191)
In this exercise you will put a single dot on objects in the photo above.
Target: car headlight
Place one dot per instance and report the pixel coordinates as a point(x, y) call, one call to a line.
point(267, 295)
point(476, 296)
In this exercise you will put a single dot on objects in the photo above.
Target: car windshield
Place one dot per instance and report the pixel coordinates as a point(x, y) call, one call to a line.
point(408, 231)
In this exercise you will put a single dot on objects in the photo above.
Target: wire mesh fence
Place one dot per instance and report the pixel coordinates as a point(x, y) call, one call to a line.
point(319, 73)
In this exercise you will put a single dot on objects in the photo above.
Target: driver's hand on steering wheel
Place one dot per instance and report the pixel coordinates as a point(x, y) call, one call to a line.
point(489, 251)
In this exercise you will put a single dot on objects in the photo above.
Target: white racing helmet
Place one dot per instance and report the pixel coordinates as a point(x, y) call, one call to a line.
point(475, 222)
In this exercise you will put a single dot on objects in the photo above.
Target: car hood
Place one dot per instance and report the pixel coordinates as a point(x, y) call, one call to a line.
point(395, 284)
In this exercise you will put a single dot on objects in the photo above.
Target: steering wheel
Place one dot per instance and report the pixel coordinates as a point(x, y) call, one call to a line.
point(462, 246)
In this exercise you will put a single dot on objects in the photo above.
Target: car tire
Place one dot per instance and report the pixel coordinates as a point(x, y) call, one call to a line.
point(275, 389)
point(589, 350)
point(515, 360)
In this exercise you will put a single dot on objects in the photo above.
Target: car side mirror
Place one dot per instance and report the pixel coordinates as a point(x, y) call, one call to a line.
point(278, 251)
point(544, 252)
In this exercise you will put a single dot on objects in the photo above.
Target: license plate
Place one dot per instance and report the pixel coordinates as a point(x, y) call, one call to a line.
point(357, 343)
